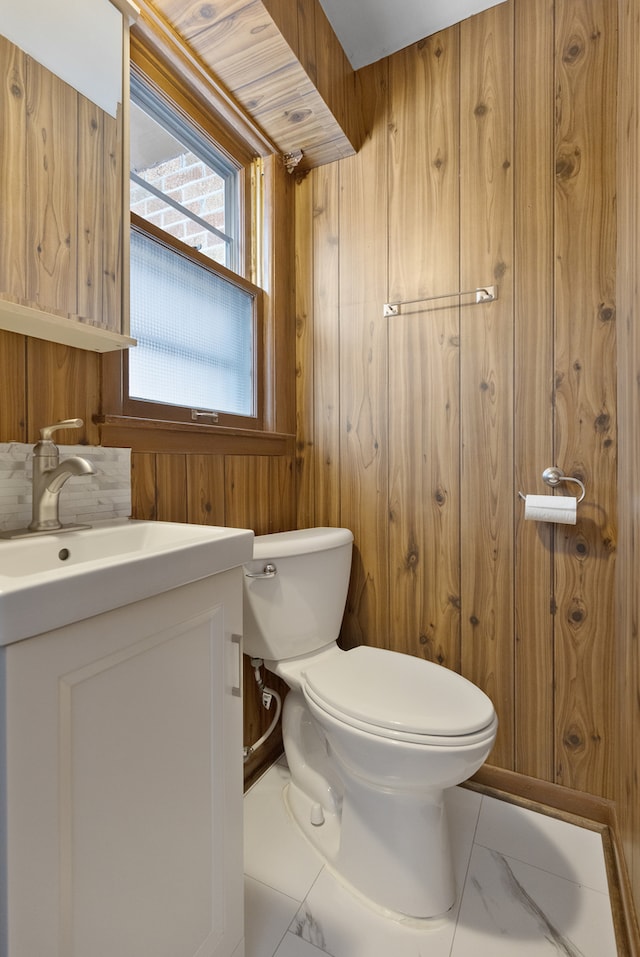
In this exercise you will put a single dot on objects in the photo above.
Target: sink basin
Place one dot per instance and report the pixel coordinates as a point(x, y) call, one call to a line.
point(47, 581)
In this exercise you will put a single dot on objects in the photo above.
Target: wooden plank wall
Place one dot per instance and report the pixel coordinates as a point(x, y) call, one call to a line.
point(491, 159)
point(628, 592)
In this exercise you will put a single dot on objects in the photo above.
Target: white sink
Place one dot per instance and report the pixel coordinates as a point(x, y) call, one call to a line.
point(47, 581)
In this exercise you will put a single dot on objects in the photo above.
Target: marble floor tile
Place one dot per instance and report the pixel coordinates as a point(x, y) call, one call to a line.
point(275, 852)
point(335, 921)
point(509, 908)
point(546, 842)
point(293, 946)
point(267, 916)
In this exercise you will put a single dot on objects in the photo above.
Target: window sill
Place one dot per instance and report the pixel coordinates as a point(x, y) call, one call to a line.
point(155, 435)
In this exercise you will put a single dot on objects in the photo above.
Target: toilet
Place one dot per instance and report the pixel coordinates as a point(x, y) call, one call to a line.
point(372, 737)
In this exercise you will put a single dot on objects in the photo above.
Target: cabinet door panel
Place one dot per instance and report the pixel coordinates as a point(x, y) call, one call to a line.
point(124, 781)
point(140, 733)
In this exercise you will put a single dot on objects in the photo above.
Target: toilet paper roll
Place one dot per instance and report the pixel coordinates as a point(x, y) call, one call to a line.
point(560, 509)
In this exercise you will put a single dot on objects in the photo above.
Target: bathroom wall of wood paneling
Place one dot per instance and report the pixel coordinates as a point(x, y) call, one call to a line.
point(628, 573)
point(491, 159)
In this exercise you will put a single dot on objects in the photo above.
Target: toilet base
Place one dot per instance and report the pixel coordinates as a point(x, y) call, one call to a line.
point(402, 868)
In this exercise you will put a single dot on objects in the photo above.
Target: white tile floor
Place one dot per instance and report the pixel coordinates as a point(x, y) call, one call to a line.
point(530, 885)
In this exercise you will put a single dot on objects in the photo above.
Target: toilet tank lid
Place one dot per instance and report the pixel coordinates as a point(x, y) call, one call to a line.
point(300, 542)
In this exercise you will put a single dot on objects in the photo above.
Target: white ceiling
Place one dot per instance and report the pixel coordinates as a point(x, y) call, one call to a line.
point(371, 29)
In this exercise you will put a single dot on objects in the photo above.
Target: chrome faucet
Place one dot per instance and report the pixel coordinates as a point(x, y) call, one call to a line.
point(49, 475)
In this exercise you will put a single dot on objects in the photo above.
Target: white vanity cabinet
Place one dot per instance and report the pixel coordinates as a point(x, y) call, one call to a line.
point(122, 783)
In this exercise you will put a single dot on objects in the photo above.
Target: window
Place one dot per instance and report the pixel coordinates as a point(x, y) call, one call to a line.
point(195, 316)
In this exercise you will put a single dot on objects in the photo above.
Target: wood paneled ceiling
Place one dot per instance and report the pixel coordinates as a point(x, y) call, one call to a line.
point(280, 61)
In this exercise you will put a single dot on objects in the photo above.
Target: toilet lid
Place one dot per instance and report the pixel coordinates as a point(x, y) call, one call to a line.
point(399, 692)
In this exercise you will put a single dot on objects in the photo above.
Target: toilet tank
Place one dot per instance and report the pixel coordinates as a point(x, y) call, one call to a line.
point(299, 609)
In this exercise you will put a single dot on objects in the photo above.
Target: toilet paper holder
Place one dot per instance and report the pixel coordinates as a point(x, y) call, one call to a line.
point(553, 476)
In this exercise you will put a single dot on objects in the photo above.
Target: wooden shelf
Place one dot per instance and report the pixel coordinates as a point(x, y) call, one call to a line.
point(29, 320)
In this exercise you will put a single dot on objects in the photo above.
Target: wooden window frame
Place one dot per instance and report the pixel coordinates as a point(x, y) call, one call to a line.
point(140, 408)
point(264, 260)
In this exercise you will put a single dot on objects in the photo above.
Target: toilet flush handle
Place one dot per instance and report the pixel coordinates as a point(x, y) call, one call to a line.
point(269, 571)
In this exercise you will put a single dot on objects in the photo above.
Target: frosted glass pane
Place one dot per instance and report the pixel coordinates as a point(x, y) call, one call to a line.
point(194, 332)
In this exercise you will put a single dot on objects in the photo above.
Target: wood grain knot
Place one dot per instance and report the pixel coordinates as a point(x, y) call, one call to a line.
point(440, 496)
point(454, 600)
point(16, 90)
point(606, 313)
point(573, 740)
point(602, 422)
point(481, 109)
point(578, 613)
point(412, 558)
point(573, 50)
point(474, 621)
point(207, 11)
point(298, 116)
point(568, 163)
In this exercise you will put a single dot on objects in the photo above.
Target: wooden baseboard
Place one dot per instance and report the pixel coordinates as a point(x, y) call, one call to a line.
point(583, 809)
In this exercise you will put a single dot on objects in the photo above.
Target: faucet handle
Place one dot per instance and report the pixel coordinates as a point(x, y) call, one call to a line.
point(48, 430)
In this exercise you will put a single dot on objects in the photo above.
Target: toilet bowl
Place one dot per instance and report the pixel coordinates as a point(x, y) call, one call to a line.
point(372, 737)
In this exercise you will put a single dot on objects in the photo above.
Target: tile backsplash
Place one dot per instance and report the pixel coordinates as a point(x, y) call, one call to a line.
point(84, 499)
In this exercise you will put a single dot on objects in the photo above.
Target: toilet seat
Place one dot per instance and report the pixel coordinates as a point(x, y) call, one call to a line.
point(399, 696)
